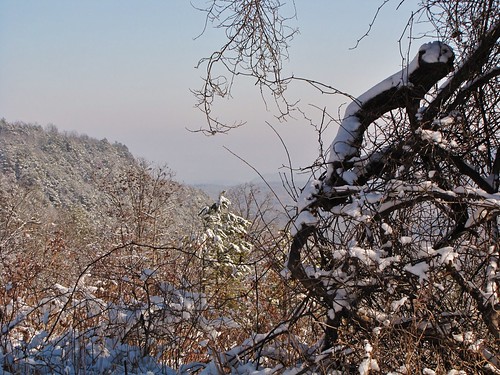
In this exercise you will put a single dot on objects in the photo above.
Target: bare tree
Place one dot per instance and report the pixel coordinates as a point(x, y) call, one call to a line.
point(396, 241)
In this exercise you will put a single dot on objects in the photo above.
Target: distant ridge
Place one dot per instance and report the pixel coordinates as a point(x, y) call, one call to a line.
point(70, 170)
point(61, 165)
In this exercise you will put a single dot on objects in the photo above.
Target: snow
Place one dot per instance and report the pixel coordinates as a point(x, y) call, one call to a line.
point(368, 347)
point(420, 269)
point(445, 121)
point(386, 228)
point(431, 136)
point(491, 289)
point(435, 137)
point(343, 146)
point(385, 262)
point(436, 52)
point(405, 240)
point(349, 177)
point(308, 194)
point(448, 255)
point(367, 256)
point(368, 363)
point(305, 219)
point(341, 300)
point(397, 304)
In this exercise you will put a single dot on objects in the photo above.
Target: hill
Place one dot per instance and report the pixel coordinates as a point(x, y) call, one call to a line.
point(76, 171)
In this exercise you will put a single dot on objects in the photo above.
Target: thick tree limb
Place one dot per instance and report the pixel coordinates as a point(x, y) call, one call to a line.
point(403, 89)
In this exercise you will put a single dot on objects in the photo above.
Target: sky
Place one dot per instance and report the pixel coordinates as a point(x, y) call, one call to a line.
point(124, 70)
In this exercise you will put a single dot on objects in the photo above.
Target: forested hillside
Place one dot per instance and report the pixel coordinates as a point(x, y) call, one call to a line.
point(63, 166)
point(71, 171)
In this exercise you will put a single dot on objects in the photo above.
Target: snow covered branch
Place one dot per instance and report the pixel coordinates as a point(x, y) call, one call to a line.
point(404, 89)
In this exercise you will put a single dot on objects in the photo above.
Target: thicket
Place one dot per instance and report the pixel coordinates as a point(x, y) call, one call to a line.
point(395, 242)
point(153, 278)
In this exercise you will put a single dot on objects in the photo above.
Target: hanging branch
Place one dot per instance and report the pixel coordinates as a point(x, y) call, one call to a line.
point(257, 44)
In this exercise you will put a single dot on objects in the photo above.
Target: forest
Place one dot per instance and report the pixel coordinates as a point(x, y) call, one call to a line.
point(386, 262)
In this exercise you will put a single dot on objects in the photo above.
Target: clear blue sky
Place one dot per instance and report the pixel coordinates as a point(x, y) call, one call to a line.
point(123, 70)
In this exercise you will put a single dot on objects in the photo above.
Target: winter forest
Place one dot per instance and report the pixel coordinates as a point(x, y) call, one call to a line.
point(387, 262)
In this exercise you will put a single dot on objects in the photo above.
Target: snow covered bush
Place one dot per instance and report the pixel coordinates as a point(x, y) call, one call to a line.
point(128, 293)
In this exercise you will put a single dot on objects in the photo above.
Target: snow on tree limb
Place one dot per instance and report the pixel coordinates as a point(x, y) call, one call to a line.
point(369, 180)
point(405, 88)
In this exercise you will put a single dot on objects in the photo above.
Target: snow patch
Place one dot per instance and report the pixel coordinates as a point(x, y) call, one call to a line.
point(305, 219)
point(308, 194)
point(419, 270)
point(397, 304)
point(367, 256)
point(448, 255)
point(435, 52)
point(405, 240)
point(368, 363)
point(387, 228)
